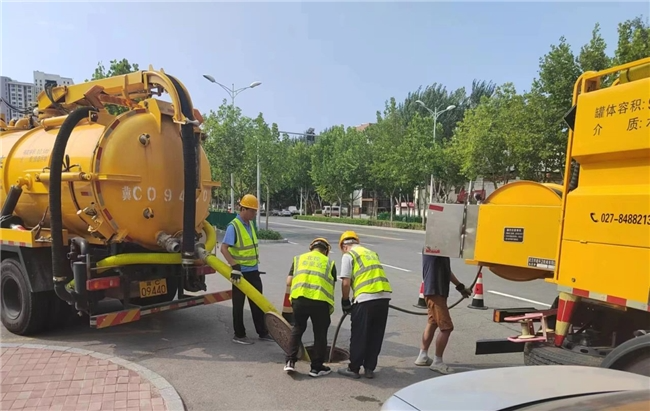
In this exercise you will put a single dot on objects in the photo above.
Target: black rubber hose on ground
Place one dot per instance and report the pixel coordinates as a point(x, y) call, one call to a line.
point(59, 263)
point(338, 327)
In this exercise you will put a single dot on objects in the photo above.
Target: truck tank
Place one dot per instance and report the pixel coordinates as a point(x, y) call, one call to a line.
point(104, 205)
point(121, 181)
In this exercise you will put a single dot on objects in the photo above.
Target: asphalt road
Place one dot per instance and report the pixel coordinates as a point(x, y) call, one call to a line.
point(192, 348)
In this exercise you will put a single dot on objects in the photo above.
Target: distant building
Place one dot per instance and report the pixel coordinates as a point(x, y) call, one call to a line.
point(363, 126)
point(18, 96)
point(40, 79)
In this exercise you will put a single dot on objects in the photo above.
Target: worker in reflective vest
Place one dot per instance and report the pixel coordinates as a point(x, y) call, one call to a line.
point(362, 271)
point(311, 278)
point(240, 249)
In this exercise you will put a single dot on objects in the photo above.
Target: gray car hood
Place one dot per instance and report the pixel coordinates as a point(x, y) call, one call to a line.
point(499, 388)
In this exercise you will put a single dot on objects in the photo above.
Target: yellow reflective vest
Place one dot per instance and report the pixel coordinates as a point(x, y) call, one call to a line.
point(312, 278)
point(244, 252)
point(368, 274)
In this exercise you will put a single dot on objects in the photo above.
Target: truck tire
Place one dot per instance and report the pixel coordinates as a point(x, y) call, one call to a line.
point(23, 312)
point(545, 354)
point(639, 364)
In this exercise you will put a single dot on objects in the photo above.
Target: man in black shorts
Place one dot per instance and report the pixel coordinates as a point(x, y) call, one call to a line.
point(437, 274)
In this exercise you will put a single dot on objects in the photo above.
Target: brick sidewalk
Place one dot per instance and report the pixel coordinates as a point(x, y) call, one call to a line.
point(51, 379)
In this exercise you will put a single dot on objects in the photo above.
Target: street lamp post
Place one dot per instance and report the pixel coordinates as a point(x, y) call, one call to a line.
point(233, 93)
point(435, 113)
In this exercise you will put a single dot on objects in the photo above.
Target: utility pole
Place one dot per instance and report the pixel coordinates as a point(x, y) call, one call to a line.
point(435, 113)
point(233, 93)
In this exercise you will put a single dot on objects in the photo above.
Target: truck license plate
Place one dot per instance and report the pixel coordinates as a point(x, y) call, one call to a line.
point(153, 288)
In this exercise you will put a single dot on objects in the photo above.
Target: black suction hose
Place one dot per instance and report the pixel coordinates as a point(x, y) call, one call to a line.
point(338, 327)
point(190, 165)
point(59, 263)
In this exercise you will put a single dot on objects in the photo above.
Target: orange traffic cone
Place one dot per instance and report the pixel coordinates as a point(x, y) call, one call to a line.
point(421, 303)
point(477, 299)
point(287, 309)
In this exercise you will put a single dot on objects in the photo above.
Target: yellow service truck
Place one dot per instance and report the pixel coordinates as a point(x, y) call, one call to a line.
point(99, 207)
point(589, 236)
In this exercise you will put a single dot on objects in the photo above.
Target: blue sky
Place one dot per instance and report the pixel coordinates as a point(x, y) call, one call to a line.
point(321, 64)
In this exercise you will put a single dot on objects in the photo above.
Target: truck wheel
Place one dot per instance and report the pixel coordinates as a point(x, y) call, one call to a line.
point(639, 364)
point(545, 354)
point(23, 312)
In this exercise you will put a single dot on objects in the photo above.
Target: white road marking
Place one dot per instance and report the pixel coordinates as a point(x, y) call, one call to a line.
point(518, 298)
point(396, 268)
point(291, 242)
point(341, 231)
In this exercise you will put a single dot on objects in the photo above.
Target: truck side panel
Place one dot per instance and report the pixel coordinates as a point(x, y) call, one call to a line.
point(605, 243)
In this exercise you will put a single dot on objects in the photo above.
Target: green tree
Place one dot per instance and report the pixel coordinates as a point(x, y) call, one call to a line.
point(633, 41)
point(496, 140)
point(116, 68)
point(384, 137)
point(299, 164)
point(593, 55)
point(550, 99)
point(226, 131)
point(338, 163)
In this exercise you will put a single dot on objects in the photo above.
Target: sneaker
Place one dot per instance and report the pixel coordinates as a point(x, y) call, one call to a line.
point(369, 373)
point(442, 368)
point(242, 340)
point(290, 366)
point(423, 361)
point(267, 337)
point(320, 371)
point(349, 373)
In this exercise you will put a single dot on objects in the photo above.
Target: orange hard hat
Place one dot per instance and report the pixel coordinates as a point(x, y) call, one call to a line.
point(249, 201)
point(348, 235)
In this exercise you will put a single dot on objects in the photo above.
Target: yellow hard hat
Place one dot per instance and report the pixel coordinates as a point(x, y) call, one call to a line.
point(347, 235)
point(322, 242)
point(249, 201)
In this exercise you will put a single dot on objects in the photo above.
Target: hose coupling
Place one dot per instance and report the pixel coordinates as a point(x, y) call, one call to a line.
point(169, 243)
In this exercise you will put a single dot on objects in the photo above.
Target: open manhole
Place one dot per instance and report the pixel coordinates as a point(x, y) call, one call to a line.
point(280, 330)
point(338, 355)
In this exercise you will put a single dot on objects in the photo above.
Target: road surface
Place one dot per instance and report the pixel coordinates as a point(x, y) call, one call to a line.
point(192, 348)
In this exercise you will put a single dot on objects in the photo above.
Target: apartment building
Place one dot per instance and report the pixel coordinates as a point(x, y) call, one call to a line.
point(18, 96)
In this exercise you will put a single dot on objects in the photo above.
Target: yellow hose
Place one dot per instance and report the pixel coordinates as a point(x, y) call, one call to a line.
point(246, 287)
point(157, 258)
point(211, 260)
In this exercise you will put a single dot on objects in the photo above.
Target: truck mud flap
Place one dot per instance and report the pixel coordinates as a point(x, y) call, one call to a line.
point(135, 314)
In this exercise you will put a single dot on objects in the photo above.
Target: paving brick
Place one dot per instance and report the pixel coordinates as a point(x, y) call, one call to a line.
point(38, 377)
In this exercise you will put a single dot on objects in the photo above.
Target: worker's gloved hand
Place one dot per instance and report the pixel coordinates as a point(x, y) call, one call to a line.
point(235, 275)
point(346, 305)
point(465, 292)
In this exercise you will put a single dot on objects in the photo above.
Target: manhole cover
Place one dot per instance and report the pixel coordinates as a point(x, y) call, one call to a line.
point(280, 330)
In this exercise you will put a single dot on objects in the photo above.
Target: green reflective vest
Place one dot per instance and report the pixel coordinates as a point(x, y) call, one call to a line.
point(245, 249)
point(312, 278)
point(368, 275)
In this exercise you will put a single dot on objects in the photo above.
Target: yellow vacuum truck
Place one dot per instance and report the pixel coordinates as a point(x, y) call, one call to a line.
point(589, 236)
point(98, 206)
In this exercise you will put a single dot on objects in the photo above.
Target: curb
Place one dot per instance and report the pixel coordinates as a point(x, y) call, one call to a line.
point(173, 401)
point(284, 240)
point(359, 226)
